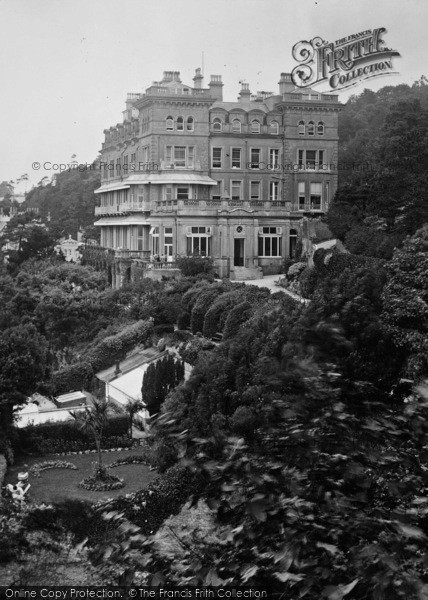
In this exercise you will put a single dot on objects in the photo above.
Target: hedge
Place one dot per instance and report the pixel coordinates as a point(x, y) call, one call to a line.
point(108, 351)
point(50, 438)
point(201, 306)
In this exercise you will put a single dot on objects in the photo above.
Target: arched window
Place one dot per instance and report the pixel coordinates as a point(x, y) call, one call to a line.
point(311, 128)
point(180, 124)
point(255, 126)
point(169, 123)
point(236, 126)
point(292, 243)
point(190, 124)
point(274, 127)
point(301, 128)
point(320, 128)
point(217, 125)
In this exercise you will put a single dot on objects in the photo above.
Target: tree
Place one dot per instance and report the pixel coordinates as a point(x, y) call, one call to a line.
point(405, 301)
point(23, 363)
point(132, 407)
point(94, 420)
point(160, 377)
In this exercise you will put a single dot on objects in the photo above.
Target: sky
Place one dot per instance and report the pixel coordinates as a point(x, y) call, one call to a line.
point(67, 65)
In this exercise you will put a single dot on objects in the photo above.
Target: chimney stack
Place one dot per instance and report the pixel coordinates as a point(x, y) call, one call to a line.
point(285, 83)
point(198, 79)
point(216, 87)
point(244, 94)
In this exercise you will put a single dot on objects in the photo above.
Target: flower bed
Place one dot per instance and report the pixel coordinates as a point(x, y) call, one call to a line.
point(50, 464)
point(133, 459)
point(102, 481)
point(111, 482)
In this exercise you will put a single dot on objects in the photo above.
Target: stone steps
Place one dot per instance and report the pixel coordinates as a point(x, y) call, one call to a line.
point(245, 273)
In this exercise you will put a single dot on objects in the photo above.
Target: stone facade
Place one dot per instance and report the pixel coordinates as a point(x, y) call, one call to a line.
point(186, 173)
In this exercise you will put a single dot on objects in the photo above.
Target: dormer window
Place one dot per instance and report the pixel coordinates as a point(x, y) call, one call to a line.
point(311, 128)
point(255, 126)
point(190, 124)
point(320, 128)
point(236, 126)
point(301, 128)
point(217, 125)
point(180, 124)
point(169, 123)
point(274, 127)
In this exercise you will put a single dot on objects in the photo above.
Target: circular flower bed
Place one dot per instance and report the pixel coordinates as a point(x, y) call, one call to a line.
point(95, 485)
point(102, 481)
point(50, 464)
point(134, 459)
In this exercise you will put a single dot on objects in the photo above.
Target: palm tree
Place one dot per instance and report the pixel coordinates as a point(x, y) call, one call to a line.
point(132, 407)
point(94, 420)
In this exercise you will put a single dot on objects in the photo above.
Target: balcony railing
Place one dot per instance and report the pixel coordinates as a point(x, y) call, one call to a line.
point(124, 207)
point(132, 254)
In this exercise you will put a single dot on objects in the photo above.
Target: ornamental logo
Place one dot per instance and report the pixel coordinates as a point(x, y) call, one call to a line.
point(343, 63)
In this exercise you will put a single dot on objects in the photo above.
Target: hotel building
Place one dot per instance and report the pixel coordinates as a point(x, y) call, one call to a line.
point(187, 173)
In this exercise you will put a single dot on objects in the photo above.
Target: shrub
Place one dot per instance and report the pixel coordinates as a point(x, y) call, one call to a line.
point(183, 321)
point(236, 317)
point(164, 496)
point(193, 265)
point(160, 330)
point(308, 281)
point(219, 310)
point(295, 270)
point(243, 421)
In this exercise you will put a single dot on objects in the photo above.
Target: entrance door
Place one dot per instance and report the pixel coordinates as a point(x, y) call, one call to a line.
point(239, 252)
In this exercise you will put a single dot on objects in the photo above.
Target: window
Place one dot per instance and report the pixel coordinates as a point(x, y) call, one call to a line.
point(274, 127)
point(316, 193)
point(180, 124)
point(301, 128)
point(169, 123)
point(117, 166)
point(190, 157)
point(255, 126)
point(168, 155)
point(292, 243)
point(269, 242)
point(125, 163)
point(182, 193)
point(199, 241)
point(255, 157)
point(168, 242)
point(111, 168)
point(190, 124)
point(236, 126)
point(236, 189)
point(217, 158)
point(301, 195)
point(217, 125)
point(133, 158)
point(140, 238)
point(154, 232)
point(236, 158)
point(311, 159)
point(180, 156)
point(273, 158)
point(168, 193)
point(273, 190)
point(216, 191)
point(311, 128)
point(255, 190)
point(320, 128)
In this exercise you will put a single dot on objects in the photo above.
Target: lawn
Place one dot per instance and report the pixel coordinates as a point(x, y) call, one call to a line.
point(55, 485)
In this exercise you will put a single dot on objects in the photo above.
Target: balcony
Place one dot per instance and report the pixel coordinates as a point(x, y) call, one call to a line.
point(123, 208)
